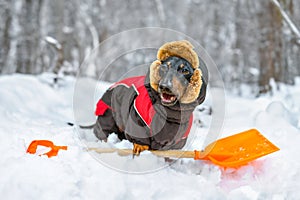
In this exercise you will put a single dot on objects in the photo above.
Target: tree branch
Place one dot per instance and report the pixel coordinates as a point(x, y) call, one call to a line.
point(295, 30)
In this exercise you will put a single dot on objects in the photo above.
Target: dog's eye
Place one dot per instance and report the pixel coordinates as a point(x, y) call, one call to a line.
point(184, 71)
point(163, 69)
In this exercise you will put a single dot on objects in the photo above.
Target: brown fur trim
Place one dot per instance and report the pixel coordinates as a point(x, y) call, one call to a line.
point(193, 89)
point(183, 49)
point(154, 74)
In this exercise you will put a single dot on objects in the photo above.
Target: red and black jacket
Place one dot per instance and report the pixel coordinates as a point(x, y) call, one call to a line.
point(133, 110)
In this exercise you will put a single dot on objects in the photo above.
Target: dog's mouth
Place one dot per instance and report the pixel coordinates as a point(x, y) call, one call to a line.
point(168, 99)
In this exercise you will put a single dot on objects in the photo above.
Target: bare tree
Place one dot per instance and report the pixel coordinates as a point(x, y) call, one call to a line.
point(6, 15)
point(29, 37)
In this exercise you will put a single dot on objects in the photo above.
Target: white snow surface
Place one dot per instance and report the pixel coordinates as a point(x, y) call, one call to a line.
point(33, 108)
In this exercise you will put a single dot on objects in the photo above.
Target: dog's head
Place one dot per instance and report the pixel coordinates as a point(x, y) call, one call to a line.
point(175, 75)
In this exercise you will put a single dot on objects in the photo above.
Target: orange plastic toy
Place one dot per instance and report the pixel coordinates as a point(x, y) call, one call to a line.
point(54, 149)
point(237, 150)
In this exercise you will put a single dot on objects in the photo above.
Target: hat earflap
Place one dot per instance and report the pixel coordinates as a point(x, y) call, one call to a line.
point(193, 89)
point(154, 74)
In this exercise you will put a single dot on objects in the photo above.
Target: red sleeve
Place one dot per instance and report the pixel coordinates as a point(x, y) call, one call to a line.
point(101, 108)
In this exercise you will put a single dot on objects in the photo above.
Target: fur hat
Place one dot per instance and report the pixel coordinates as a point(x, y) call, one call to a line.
point(182, 49)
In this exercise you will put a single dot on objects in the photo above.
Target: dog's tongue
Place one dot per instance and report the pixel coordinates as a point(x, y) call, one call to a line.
point(168, 97)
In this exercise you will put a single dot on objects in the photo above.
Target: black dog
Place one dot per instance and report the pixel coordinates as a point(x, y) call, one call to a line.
point(155, 111)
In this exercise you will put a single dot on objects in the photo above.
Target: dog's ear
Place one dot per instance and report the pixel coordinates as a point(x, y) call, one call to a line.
point(154, 74)
point(193, 89)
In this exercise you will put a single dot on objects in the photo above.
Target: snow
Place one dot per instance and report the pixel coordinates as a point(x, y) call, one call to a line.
point(37, 108)
point(53, 41)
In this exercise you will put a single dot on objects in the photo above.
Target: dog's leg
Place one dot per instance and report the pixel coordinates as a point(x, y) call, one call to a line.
point(138, 148)
point(105, 125)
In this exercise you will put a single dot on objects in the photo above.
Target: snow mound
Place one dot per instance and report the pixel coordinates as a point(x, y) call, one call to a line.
point(277, 109)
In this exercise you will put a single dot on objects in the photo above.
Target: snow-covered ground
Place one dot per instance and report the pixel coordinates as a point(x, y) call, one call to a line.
point(34, 108)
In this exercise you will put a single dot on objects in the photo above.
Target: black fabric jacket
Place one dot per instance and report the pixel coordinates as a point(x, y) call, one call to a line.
point(134, 112)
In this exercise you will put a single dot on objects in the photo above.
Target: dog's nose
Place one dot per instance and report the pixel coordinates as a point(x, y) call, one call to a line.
point(166, 87)
point(166, 84)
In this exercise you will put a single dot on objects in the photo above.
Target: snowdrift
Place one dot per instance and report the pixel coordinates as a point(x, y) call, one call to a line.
point(37, 108)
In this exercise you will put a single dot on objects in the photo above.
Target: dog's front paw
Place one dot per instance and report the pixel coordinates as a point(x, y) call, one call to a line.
point(138, 148)
point(104, 140)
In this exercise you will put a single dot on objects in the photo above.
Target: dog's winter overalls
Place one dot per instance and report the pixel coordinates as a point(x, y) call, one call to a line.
point(132, 110)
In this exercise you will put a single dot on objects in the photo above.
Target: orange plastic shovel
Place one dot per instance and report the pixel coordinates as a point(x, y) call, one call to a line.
point(232, 151)
point(238, 149)
point(54, 149)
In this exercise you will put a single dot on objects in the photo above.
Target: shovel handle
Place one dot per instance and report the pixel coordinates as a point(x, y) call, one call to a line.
point(165, 153)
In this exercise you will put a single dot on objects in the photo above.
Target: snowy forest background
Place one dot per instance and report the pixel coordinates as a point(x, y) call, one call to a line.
point(251, 42)
point(254, 43)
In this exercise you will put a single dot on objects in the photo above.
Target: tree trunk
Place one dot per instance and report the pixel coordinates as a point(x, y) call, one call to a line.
point(28, 45)
point(270, 47)
point(5, 38)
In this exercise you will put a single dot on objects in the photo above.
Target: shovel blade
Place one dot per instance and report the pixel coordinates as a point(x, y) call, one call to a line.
point(238, 149)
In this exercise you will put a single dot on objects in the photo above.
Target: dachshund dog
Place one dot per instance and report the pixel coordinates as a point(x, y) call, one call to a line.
point(155, 111)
